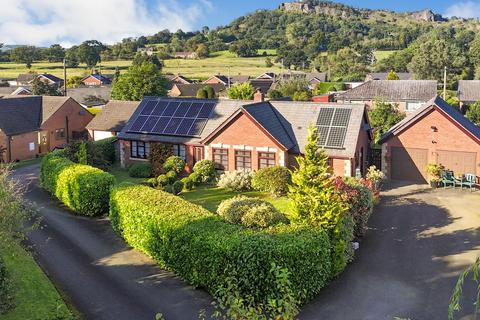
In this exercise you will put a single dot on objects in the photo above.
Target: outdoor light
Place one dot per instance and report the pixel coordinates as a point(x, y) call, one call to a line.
point(434, 129)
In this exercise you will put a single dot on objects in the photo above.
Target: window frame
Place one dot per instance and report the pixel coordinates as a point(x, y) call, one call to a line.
point(243, 161)
point(267, 158)
point(223, 155)
point(136, 146)
point(60, 134)
point(180, 150)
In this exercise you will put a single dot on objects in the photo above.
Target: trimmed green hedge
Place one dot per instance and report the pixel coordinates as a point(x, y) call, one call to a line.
point(283, 266)
point(82, 188)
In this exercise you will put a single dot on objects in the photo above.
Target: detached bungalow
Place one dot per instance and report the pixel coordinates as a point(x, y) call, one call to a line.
point(226, 81)
point(95, 80)
point(35, 125)
point(49, 79)
point(241, 135)
point(178, 79)
point(408, 94)
point(436, 133)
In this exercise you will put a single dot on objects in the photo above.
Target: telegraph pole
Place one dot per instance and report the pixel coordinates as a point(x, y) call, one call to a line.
point(445, 83)
point(64, 77)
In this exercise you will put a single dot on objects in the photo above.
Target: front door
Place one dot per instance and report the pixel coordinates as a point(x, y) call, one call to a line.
point(198, 156)
point(44, 142)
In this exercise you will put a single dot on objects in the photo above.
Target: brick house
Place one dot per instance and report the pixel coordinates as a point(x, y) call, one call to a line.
point(49, 79)
point(240, 135)
point(409, 95)
point(190, 89)
point(436, 133)
point(34, 125)
point(95, 80)
point(111, 120)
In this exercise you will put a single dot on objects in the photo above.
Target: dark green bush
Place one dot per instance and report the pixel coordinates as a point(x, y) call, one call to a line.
point(168, 188)
point(6, 289)
point(171, 176)
point(140, 170)
point(270, 270)
point(162, 180)
point(196, 178)
point(205, 169)
point(177, 187)
point(273, 179)
point(82, 188)
point(175, 164)
point(188, 183)
point(99, 154)
point(106, 147)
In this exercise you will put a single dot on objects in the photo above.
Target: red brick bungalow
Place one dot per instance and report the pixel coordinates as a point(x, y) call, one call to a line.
point(95, 80)
point(436, 133)
point(34, 125)
point(241, 135)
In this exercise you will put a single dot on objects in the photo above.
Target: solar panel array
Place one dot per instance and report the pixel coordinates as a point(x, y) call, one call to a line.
point(332, 124)
point(173, 117)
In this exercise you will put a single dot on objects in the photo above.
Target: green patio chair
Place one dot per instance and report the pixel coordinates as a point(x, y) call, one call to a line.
point(470, 181)
point(449, 179)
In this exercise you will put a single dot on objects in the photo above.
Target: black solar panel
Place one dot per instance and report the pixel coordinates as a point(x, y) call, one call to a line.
point(332, 124)
point(173, 117)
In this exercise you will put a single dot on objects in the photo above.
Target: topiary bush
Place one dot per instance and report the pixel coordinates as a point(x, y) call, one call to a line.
point(140, 170)
point(152, 182)
point(205, 169)
point(82, 188)
point(171, 176)
point(236, 180)
point(274, 180)
point(177, 187)
point(175, 164)
point(188, 183)
point(263, 216)
point(233, 209)
point(6, 289)
point(162, 180)
point(196, 178)
point(264, 272)
point(168, 188)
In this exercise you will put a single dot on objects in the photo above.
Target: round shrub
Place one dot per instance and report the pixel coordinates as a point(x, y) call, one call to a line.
point(152, 182)
point(263, 216)
point(233, 209)
point(171, 176)
point(175, 164)
point(274, 180)
point(177, 187)
point(168, 188)
point(162, 180)
point(205, 169)
point(196, 178)
point(140, 170)
point(236, 180)
point(188, 183)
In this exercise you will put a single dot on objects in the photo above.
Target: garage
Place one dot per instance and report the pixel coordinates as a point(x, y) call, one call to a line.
point(458, 162)
point(436, 133)
point(409, 164)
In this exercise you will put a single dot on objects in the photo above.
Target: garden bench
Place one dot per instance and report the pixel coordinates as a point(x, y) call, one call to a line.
point(470, 181)
point(449, 179)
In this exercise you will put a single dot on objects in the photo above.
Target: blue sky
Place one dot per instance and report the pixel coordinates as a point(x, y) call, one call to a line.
point(68, 22)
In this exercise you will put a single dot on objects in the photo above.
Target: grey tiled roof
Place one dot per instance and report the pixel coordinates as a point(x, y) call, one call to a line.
point(79, 94)
point(262, 84)
point(447, 109)
point(469, 90)
point(20, 114)
point(392, 90)
point(114, 116)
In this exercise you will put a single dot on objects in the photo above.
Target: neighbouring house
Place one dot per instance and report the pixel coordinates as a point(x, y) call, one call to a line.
point(34, 125)
point(468, 92)
point(49, 79)
point(314, 78)
point(436, 133)
point(226, 80)
point(190, 89)
point(111, 120)
point(383, 76)
point(264, 85)
point(186, 55)
point(178, 79)
point(22, 91)
point(324, 98)
point(96, 96)
point(24, 79)
point(268, 76)
point(246, 135)
point(95, 80)
point(409, 95)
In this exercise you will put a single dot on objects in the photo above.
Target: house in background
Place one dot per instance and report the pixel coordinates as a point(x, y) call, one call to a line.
point(95, 80)
point(96, 96)
point(264, 85)
point(190, 90)
point(468, 92)
point(241, 135)
point(268, 76)
point(111, 120)
point(186, 55)
point(34, 125)
point(23, 79)
point(383, 76)
point(178, 79)
point(226, 80)
point(22, 91)
point(409, 95)
point(49, 79)
point(436, 133)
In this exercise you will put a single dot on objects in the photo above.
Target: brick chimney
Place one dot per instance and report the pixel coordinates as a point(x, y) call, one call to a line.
point(258, 96)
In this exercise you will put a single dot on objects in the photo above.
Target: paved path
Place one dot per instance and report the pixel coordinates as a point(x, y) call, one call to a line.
point(407, 265)
point(409, 262)
point(102, 277)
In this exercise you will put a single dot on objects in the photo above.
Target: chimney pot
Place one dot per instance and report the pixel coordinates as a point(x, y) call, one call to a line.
point(258, 96)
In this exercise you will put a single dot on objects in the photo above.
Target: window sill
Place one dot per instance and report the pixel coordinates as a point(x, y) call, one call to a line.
point(139, 159)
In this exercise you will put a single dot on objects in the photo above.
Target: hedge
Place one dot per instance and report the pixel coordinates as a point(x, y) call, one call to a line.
point(106, 147)
point(263, 267)
point(6, 289)
point(82, 188)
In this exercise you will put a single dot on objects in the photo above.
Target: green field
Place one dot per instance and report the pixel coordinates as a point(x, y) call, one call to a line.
point(380, 55)
point(220, 62)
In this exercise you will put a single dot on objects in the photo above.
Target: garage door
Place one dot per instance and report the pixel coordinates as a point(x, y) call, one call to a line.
point(409, 164)
point(458, 162)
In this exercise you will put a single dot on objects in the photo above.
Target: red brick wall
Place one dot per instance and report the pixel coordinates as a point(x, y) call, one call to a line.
point(449, 137)
point(20, 146)
point(363, 142)
point(242, 132)
point(78, 118)
point(213, 81)
point(92, 81)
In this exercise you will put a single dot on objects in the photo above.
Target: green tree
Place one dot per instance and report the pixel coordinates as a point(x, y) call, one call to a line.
point(288, 88)
point(392, 76)
point(384, 116)
point(25, 54)
point(41, 88)
point(140, 80)
point(241, 91)
point(143, 57)
point(473, 113)
point(244, 48)
point(292, 56)
point(202, 94)
point(55, 53)
point(89, 52)
point(268, 62)
point(346, 64)
point(74, 82)
point(71, 57)
point(473, 273)
point(202, 51)
point(302, 96)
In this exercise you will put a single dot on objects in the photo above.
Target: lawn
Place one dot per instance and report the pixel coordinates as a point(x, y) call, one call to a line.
point(121, 176)
point(210, 197)
point(35, 295)
point(220, 62)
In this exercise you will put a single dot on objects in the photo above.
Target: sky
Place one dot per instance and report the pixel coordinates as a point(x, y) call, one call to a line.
point(68, 22)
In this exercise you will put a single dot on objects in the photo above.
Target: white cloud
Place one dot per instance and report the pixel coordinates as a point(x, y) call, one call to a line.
point(466, 9)
point(44, 22)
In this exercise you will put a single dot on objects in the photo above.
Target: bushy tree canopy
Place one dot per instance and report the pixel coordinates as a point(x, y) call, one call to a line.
point(384, 116)
point(241, 91)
